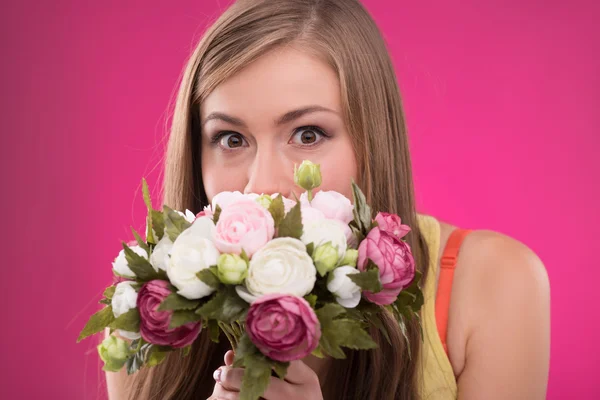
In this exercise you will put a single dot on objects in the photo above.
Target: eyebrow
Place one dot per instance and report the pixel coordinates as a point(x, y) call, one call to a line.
point(284, 119)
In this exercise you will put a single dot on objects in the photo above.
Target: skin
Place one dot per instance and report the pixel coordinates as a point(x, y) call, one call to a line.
point(499, 318)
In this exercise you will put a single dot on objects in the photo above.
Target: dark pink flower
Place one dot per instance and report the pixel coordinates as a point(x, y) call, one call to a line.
point(391, 223)
point(154, 325)
point(283, 327)
point(394, 259)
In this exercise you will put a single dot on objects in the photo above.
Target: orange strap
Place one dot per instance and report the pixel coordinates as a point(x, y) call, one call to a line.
point(448, 265)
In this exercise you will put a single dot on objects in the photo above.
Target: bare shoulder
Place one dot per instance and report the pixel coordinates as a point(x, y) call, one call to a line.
point(499, 318)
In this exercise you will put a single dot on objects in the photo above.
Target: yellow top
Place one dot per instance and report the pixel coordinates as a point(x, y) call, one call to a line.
point(436, 374)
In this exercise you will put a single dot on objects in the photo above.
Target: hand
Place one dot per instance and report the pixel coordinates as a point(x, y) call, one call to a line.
point(300, 383)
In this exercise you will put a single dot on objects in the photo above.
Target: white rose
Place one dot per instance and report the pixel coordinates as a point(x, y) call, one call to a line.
point(120, 263)
point(160, 256)
point(192, 252)
point(123, 300)
point(280, 266)
point(321, 231)
point(189, 216)
point(346, 292)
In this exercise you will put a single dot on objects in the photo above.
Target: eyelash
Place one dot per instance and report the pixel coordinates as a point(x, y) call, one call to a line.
point(216, 139)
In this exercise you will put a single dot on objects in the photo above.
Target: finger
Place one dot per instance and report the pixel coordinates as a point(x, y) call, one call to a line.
point(230, 378)
point(229, 358)
point(220, 393)
point(299, 373)
point(279, 389)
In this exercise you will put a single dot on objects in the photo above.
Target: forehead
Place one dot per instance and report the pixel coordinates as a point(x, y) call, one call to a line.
point(277, 82)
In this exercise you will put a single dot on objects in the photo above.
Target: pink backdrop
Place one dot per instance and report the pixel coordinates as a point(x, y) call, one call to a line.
point(501, 98)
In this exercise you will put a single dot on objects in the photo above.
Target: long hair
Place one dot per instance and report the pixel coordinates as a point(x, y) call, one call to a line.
point(342, 34)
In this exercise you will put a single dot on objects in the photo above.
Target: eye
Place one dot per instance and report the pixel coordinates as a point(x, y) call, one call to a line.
point(229, 140)
point(307, 136)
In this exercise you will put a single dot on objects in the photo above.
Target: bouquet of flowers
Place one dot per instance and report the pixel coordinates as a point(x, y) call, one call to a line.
point(281, 278)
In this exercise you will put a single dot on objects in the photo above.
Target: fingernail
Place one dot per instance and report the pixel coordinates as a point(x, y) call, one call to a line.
point(217, 375)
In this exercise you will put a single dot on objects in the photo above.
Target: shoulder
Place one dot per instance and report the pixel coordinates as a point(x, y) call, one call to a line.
point(499, 314)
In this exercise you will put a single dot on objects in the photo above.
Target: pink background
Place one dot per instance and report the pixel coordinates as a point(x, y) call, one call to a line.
point(502, 99)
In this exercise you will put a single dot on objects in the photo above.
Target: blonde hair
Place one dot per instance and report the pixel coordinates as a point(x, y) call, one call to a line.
point(342, 34)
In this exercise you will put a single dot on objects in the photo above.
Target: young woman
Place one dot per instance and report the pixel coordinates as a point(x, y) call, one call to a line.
point(275, 82)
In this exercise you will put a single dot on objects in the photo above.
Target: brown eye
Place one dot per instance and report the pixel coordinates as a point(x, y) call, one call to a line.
point(234, 141)
point(307, 136)
point(231, 141)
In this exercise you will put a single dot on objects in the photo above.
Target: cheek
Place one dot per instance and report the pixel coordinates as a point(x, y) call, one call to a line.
point(339, 169)
point(218, 179)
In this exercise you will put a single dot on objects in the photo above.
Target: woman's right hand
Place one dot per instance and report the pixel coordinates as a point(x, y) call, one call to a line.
point(301, 383)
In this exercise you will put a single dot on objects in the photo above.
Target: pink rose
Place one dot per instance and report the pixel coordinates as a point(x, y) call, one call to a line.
point(310, 214)
point(154, 325)
point(394, 259)
point(225, 199)
point(333, 205)
point(283, 327)
point(244, 224)
point(391, 223)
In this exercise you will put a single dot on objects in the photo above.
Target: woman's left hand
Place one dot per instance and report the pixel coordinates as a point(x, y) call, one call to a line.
point(300, 383)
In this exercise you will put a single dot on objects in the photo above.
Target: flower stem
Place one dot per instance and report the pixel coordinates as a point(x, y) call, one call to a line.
point(227, 333)
point(310, 195)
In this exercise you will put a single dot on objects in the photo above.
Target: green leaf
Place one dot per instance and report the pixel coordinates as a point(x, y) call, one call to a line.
point(156, 357)
point(106, 302)
point(97, 322)
point(244, 349)
point(336, 333)
point(213, 330)
point(158, 223)
point(346, 333)
point(175, 224)
point(376, 321)
point(291, 224)
point(281, 368)
point(310, 248)
point(109, 292)
point(177, 302)
point(318, 352)
point(243, 256)
point(352, 335)
point(257, 374)
point(149, 233)
point(130, 321)
point(140, 241)
point(312, 299)
point(148, 201)
point(277, 210)
point(209, 278)
point(217, 214)
point(328, 312)
point(367, 280)
point(183, 317)
point(146, 193)
point(141, 267)
point(137, 360)
point(186, 350)
point(225, 305)
point(362, 211)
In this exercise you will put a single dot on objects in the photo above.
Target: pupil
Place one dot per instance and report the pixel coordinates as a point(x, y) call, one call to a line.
point(308, 137)
point(234, 141)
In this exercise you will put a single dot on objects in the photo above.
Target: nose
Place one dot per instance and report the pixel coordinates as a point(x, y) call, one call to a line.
point(269, 174)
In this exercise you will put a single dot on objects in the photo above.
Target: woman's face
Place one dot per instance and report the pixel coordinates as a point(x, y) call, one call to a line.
point(278, 111)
